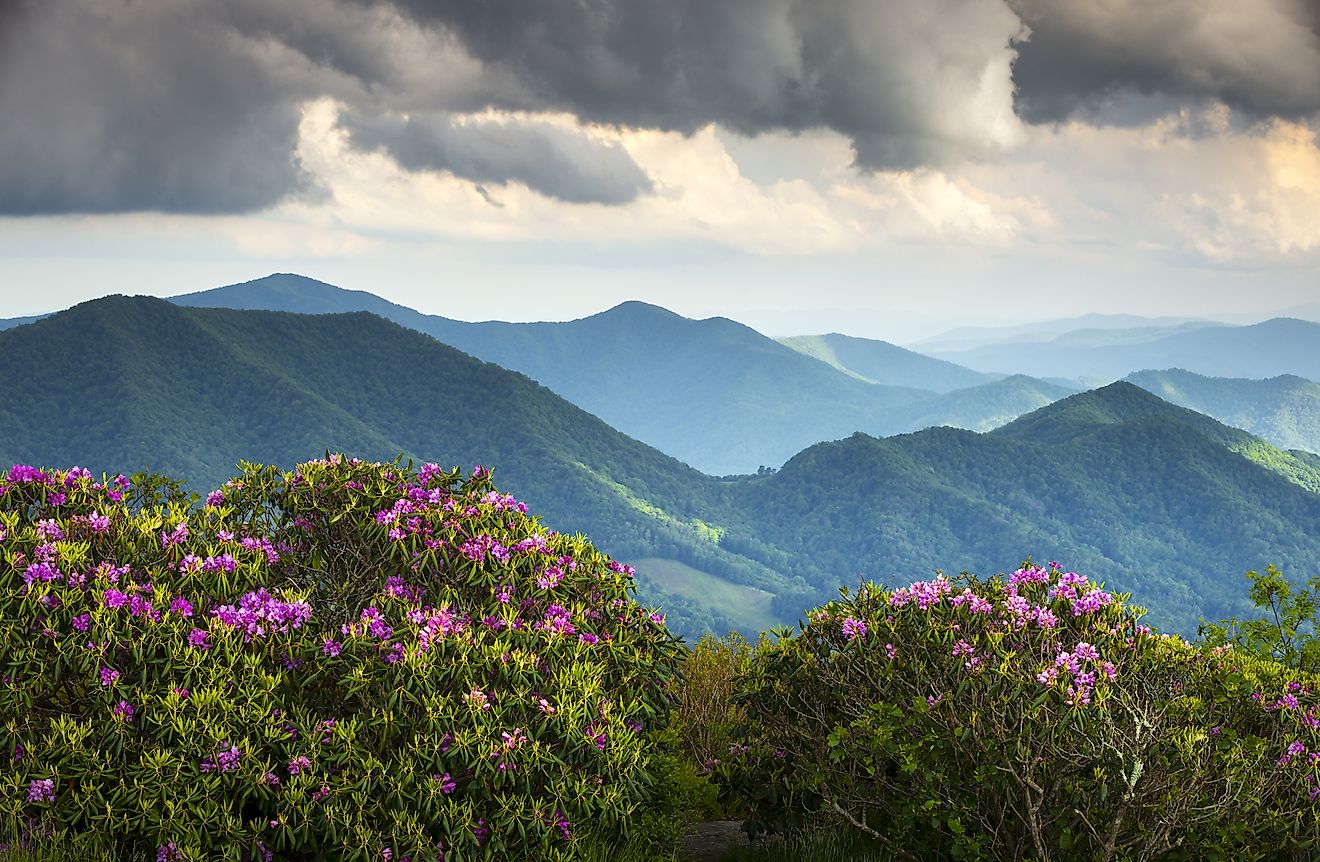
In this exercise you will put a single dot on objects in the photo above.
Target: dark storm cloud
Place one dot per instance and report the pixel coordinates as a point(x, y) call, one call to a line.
point(1096, 57)
point(910, 83)
point(106, 107)
point(553, 161)
point(194, 105)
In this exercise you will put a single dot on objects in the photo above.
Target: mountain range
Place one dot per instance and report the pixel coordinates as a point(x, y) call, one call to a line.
point(1115, 482)
point(713, 393)
point(123, 384)
point(1273, 347)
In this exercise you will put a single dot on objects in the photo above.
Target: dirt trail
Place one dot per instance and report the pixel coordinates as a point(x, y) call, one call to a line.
point(712, 841)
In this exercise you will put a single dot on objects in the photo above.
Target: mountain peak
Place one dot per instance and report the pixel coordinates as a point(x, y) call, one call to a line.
point(637, 308)
point(289, 291)
point(1118, 403)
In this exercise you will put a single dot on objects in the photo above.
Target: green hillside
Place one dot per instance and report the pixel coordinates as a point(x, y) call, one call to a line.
point(124, 384)
point(1150, 497)
point(1284, 410)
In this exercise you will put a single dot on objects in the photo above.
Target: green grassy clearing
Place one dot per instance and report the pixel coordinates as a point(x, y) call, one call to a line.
point(747, 606)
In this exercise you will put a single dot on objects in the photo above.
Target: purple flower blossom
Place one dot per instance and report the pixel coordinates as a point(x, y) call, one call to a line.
point(109, 676)
point(41, 790)
point(22, 474)
point(447, 783)
point(123, 711)
point(182, 607)
point(178, 536)
point(226, 760)
point(557, 621)
point(82, 622)
point(853, 628)
point(260, 613)
point(50, 530)
point(198, 637)
point(215, 498)
point(220, 563)
point(299, 764)
point(561, 823)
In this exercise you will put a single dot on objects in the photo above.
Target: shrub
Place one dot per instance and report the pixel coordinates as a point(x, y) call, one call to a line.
point(1032, 717)
point(706, 713)
point(352, 661)
point(1288, 632)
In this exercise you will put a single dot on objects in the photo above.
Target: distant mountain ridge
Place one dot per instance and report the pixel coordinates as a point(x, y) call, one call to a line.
point(969, 337)
point(1267, 349)
point(713, 393)
point(1284, 410)
point(881, 362)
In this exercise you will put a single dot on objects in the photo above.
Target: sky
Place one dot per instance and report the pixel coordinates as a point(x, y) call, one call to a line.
point(887, 169)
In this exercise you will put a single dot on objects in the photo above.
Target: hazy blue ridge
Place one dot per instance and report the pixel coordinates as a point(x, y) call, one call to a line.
point(1284, 410)
point(1268, 349)
point(881, 362)
point(978, 408)
point(713, 393)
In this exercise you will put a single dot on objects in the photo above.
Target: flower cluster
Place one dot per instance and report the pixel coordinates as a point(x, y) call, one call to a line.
point(260, 613)
point(455, 648)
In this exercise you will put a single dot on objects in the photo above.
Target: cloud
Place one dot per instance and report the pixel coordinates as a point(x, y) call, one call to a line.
point(192, 106)
point(114, 106)
point(561, 163)
point(1101, 57)
point(911, 83)
point(1197, 188)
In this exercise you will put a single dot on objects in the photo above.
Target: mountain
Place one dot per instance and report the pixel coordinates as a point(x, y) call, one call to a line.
point(286, 291)
point(124, 384)
point(881, 362)
point(968, 337)
point(1267, 349)
point(11, 322)
point(1284, 410)
point(978, 408)
point(713, 393)
point(1115, 483)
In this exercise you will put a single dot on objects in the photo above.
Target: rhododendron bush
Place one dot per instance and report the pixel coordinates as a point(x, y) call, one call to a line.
point(1031, 717)
point(352, 661)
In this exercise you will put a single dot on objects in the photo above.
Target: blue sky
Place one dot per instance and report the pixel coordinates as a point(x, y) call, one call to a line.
point(881, 169)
